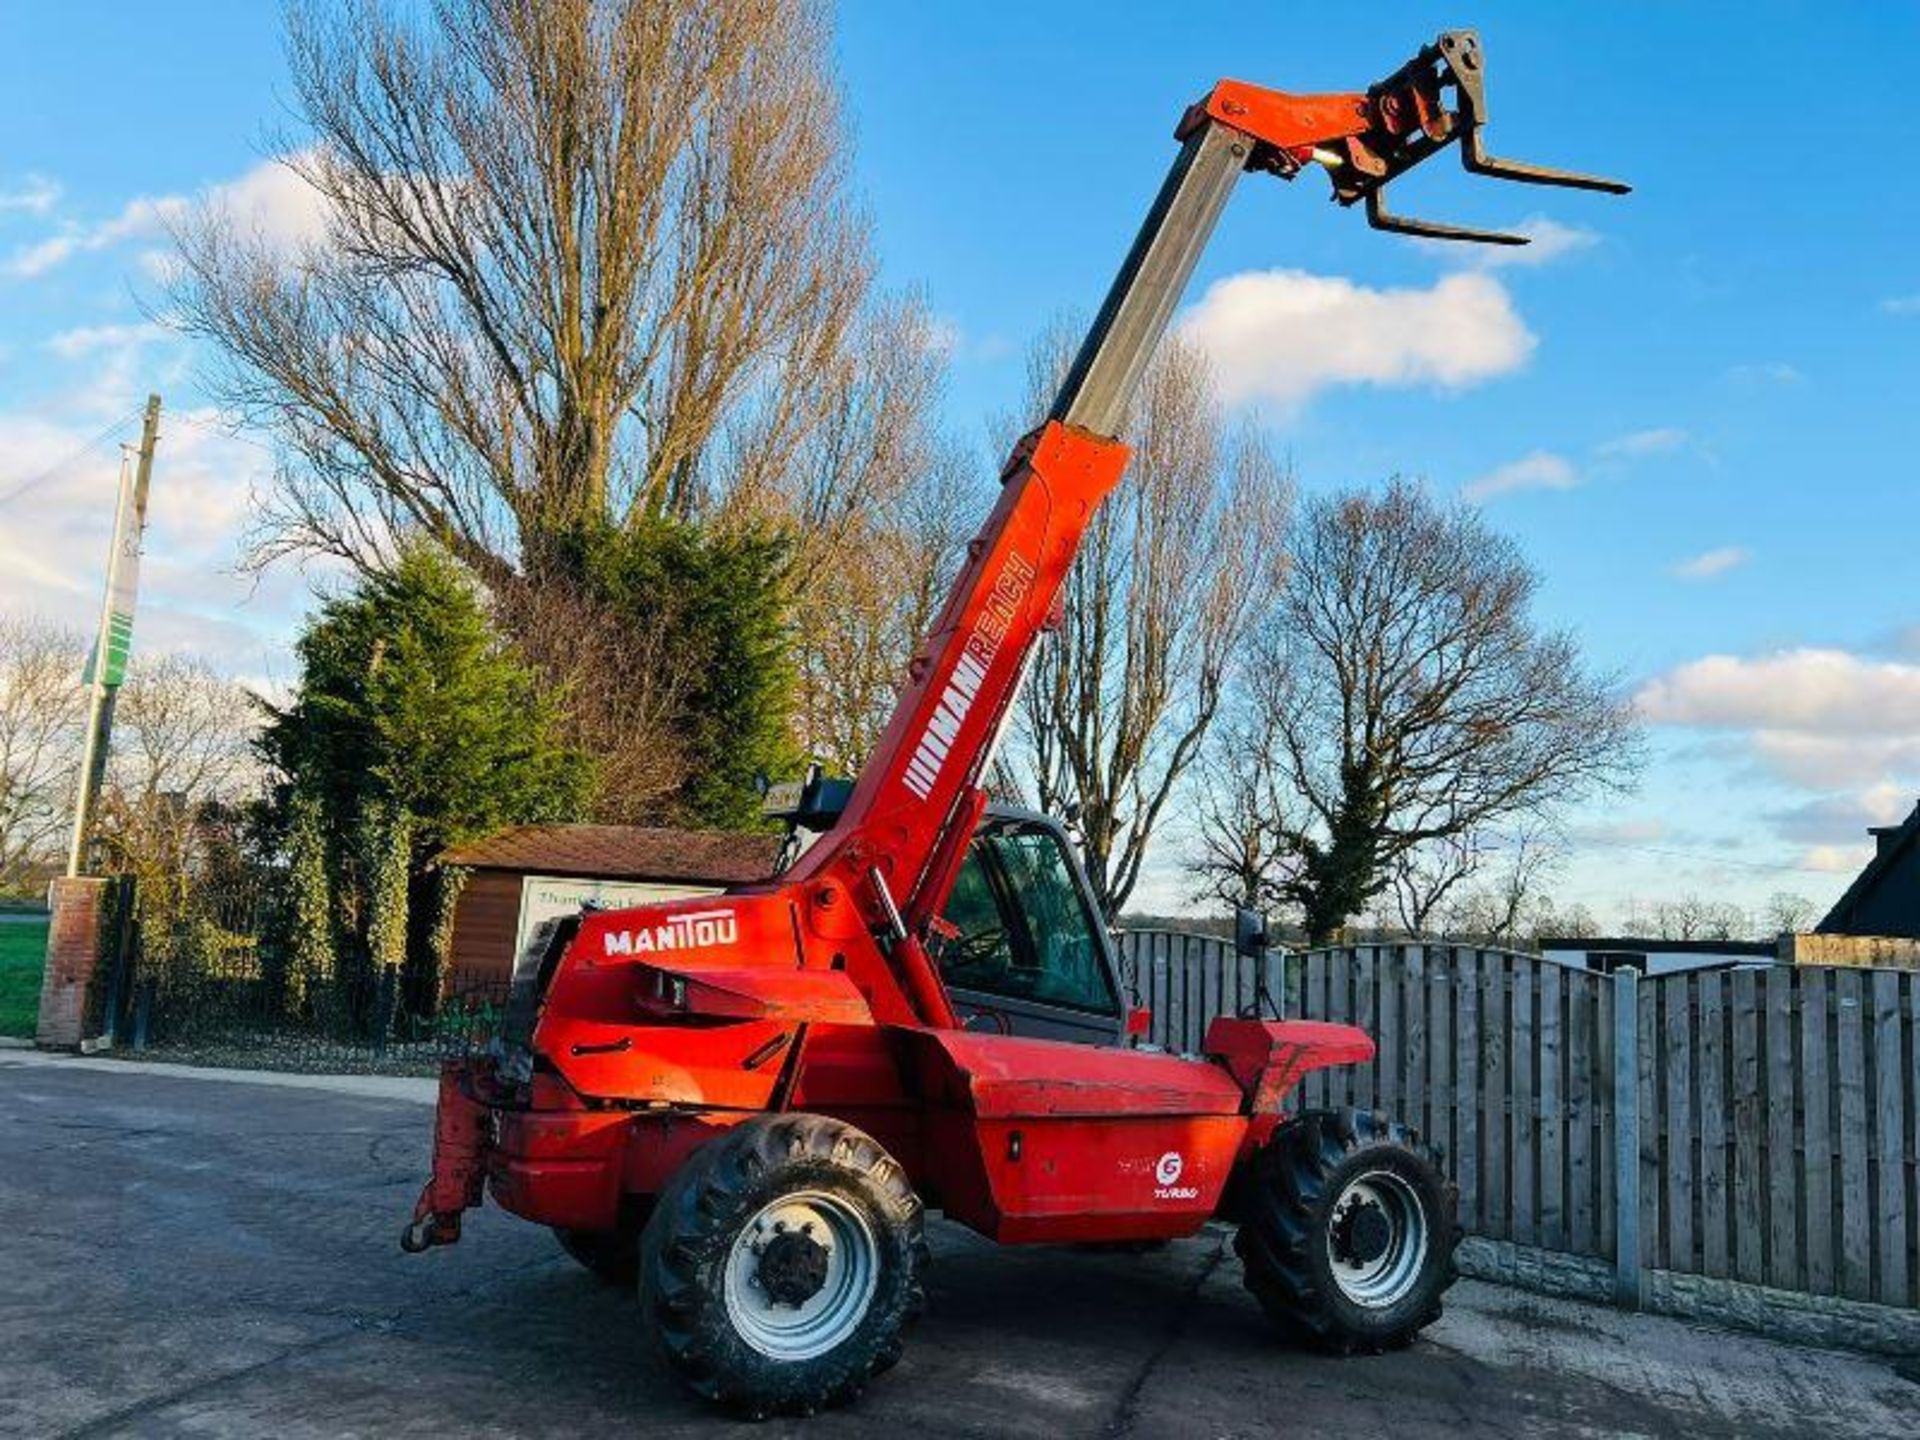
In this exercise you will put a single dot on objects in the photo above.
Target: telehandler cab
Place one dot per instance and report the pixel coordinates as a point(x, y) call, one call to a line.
point(749, 1099)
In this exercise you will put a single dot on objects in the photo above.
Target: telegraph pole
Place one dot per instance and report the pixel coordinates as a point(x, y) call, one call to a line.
point(108, 665)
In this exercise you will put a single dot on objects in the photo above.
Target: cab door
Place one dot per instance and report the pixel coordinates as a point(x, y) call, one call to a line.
point(1022, 951)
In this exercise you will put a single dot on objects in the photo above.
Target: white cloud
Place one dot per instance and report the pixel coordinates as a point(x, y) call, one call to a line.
point(35, 195)
point(142, 216)
point(86, 339)
point(1901, 305)
point(37, 259)
point(1658, 441)
point(1835, 762)
point(1834, 859)
point(1647, 831)
point(1843, 819)
point(270, 202)
point(1821, 692)
point(1548, 240)
point(275, 204)
point(1285, 335)
point(1541, 470)
point(54, 536)
point(1712, 563)
point(1819, 719)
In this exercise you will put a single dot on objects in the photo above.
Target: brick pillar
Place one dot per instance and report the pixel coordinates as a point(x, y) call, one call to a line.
point(73, 955)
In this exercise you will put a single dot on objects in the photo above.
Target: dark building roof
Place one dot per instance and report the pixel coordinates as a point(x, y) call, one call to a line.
point(1629, 945)
point(1884, 898)
point(623, 852)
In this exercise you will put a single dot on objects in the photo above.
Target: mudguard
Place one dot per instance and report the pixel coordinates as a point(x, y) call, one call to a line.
point(1268, 1057)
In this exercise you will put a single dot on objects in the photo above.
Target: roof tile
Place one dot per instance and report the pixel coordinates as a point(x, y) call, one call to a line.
point(626, 852)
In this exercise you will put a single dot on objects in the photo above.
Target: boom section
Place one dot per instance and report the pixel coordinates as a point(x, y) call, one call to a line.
point(885, 867)
point(961, 685)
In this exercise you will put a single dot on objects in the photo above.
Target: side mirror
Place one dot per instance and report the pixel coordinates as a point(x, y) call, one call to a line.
point(1249, 933)
point(1139, 1022)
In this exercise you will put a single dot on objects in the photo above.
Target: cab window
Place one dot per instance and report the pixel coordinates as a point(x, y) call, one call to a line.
point(1024, 929)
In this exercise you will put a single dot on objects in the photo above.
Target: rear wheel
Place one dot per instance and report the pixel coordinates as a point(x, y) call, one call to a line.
point(1350, 1231)
point(782, 1264)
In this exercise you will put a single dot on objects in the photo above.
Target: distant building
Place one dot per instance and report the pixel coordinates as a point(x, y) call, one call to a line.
point(530, 873)
point(1656, 957)
point(1884, 898)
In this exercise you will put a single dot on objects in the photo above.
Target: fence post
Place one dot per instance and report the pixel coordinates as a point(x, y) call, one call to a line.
point(143, 1011)
point(120, 969)
point(1626, 1139)
point(383, 1000)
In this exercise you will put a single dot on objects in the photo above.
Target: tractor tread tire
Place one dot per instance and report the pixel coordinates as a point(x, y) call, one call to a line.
point(684, 1250)
point(1282, 1245)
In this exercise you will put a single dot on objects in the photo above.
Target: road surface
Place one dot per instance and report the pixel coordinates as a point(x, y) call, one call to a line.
point(193, 1256)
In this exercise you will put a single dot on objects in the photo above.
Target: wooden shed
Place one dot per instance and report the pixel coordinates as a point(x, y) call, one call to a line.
point(530, 873)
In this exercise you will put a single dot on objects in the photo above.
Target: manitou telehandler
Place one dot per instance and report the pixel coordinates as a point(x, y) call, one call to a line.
point(750, 1099)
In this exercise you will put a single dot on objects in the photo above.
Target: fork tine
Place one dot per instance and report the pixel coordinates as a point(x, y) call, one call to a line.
point(1474, 157)
point(1380, 218)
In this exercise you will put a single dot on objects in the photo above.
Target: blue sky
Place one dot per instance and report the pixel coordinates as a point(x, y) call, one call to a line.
point(1693, 407)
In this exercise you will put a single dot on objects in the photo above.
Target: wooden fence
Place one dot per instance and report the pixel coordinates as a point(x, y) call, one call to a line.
point(1186, 980)
point(1759, 1127)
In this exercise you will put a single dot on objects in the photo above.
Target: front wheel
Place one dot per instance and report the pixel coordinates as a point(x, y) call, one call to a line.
point(782, 1264)
point(1350, 1231)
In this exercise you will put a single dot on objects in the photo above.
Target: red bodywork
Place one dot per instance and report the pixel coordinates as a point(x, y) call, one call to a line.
point(660, 1027)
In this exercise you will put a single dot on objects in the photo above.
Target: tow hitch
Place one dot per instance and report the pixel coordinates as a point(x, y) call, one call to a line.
point(460, 1141)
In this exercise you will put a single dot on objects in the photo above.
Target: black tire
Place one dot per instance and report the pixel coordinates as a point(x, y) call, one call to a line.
point(613, 1255)
point(1310, 1188)
point(689, 1264)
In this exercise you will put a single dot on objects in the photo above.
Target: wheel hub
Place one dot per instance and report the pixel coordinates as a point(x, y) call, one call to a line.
point(1377, 1239)
point(792, 1268)
point(800, 1275)
point(1364, 1233)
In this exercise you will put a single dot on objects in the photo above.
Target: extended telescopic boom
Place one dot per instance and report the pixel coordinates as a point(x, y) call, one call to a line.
point(887, 864)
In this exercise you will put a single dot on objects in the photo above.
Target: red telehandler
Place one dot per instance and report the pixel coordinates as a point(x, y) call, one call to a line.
point(750, 1099)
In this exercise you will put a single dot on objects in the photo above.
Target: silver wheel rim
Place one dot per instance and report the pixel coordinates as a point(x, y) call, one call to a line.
point(1386, 1279)
point(791, 1332)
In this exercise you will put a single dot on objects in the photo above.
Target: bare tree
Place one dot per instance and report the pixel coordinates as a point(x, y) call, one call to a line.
point(1240, 851)
point(1415, 702)
point(1426, 879)
point(181, 742)
point(1690, 917)
point(1507, 907)
point(583, 259)
point(1572, 922)
point(41, 715)
point(1175, 570)
point(882, 504)
point(1786, 913)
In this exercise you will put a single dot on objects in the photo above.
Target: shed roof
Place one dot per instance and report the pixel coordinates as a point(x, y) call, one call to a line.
point(623, 852)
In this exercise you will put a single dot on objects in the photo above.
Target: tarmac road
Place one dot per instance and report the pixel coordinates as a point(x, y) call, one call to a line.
point(193, 1256)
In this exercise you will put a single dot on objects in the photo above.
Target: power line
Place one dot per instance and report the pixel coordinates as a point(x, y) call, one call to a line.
point(1702, 856)
point(212, 425)
point(33, 482)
